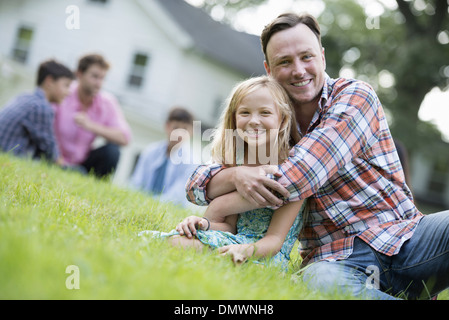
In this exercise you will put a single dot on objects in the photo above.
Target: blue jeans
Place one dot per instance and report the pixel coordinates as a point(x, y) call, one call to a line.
point(419, 271)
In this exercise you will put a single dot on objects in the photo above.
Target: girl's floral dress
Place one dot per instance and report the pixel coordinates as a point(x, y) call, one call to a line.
point(251, 226)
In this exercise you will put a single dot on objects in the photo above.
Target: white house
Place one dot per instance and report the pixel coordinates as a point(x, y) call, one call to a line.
point(163, 53)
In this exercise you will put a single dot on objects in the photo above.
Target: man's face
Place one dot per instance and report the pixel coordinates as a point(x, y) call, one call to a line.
point(178, 131)
point(296, 60)
point(92, 79)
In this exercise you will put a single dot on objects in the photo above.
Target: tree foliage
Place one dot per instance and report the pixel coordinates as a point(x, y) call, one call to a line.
point(403, 54)
point(398, 53)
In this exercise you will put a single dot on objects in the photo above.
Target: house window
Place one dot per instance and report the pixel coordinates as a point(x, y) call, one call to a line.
point(22, 45)
point(138, 68)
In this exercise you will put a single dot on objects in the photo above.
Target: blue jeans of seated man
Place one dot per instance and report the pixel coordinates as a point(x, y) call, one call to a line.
point(419, 271)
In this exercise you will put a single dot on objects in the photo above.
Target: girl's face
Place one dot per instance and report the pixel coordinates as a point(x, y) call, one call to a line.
point(256, 116)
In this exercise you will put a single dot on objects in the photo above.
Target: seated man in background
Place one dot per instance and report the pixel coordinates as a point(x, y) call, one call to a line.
point(88, 113)
point(164, 167)
point(26, 123)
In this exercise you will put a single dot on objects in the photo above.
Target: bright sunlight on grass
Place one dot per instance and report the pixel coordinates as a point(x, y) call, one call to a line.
point(51, 220)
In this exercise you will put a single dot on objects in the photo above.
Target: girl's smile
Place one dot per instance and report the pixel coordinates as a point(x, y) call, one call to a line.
point(256, 116)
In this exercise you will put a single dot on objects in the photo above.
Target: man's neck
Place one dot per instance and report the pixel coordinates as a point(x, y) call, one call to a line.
point(85, 99)
point(304, 113)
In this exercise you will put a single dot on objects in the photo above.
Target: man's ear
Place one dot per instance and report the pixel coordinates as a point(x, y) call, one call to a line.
point(324, 58)
point(267, 67)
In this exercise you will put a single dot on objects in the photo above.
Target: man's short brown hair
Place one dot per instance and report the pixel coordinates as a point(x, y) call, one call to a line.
point(88, 60)
point(180, 114)
point(286, 21)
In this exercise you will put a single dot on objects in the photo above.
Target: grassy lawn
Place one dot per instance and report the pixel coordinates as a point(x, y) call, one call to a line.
point(52, 219)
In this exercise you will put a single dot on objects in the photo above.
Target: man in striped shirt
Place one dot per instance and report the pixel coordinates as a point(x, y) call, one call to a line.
point(363, 235)
point(26, 123)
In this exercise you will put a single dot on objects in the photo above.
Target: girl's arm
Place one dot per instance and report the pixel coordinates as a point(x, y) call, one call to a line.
point(271, 244)
point(190, 224)
point(222, 214)
point(226, 205)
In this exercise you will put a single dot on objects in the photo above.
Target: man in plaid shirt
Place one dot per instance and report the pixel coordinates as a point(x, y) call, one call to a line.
point(363, 234)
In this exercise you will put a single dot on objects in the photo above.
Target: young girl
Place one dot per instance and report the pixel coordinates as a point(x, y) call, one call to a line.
point(258, 120)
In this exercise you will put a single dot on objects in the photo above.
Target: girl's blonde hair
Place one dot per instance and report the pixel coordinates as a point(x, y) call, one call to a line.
point(225, 138)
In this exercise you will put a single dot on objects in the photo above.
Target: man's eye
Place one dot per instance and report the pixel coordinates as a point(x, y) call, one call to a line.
point(307, 57)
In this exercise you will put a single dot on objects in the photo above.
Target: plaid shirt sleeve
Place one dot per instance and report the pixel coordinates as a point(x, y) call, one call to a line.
point(27, 127)
point(345, 129)
point(39, 125)
point(196, 184)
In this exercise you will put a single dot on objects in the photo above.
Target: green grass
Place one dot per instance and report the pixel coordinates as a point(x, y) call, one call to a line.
point(51, 219)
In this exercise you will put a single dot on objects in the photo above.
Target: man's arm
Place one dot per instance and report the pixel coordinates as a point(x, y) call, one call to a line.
point(209, 182)
point(349, 128)
point(114, 135)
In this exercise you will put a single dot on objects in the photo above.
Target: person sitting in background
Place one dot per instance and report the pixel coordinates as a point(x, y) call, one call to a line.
point(26, 123)
point(164, 167)
point(88, 113)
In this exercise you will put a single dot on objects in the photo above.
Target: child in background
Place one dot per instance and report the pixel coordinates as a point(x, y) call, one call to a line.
point(257, 128)
point(26, 123)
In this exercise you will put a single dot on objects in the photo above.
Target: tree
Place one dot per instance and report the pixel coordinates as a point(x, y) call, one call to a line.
point(403, 53)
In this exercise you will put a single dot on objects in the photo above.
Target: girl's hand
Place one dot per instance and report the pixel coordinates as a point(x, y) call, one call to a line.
point(239, 253)
point(190, 224)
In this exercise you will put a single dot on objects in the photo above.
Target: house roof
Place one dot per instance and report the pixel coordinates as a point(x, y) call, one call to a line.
point(238, 50)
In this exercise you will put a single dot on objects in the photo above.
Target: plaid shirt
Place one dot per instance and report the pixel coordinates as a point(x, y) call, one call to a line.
point(348, 169)
point(26, 127)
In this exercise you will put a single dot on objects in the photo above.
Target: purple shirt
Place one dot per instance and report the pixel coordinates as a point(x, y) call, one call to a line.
point(75, 142)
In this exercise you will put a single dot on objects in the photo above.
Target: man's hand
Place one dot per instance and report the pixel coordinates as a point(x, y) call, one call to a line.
point(253, 184)
point(114, 135)
point(83, 120)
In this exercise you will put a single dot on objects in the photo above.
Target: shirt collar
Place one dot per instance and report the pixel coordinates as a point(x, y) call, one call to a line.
point(39, 92)
point(327, 89)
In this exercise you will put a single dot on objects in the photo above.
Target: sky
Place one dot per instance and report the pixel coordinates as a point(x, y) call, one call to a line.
point(435, 107)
